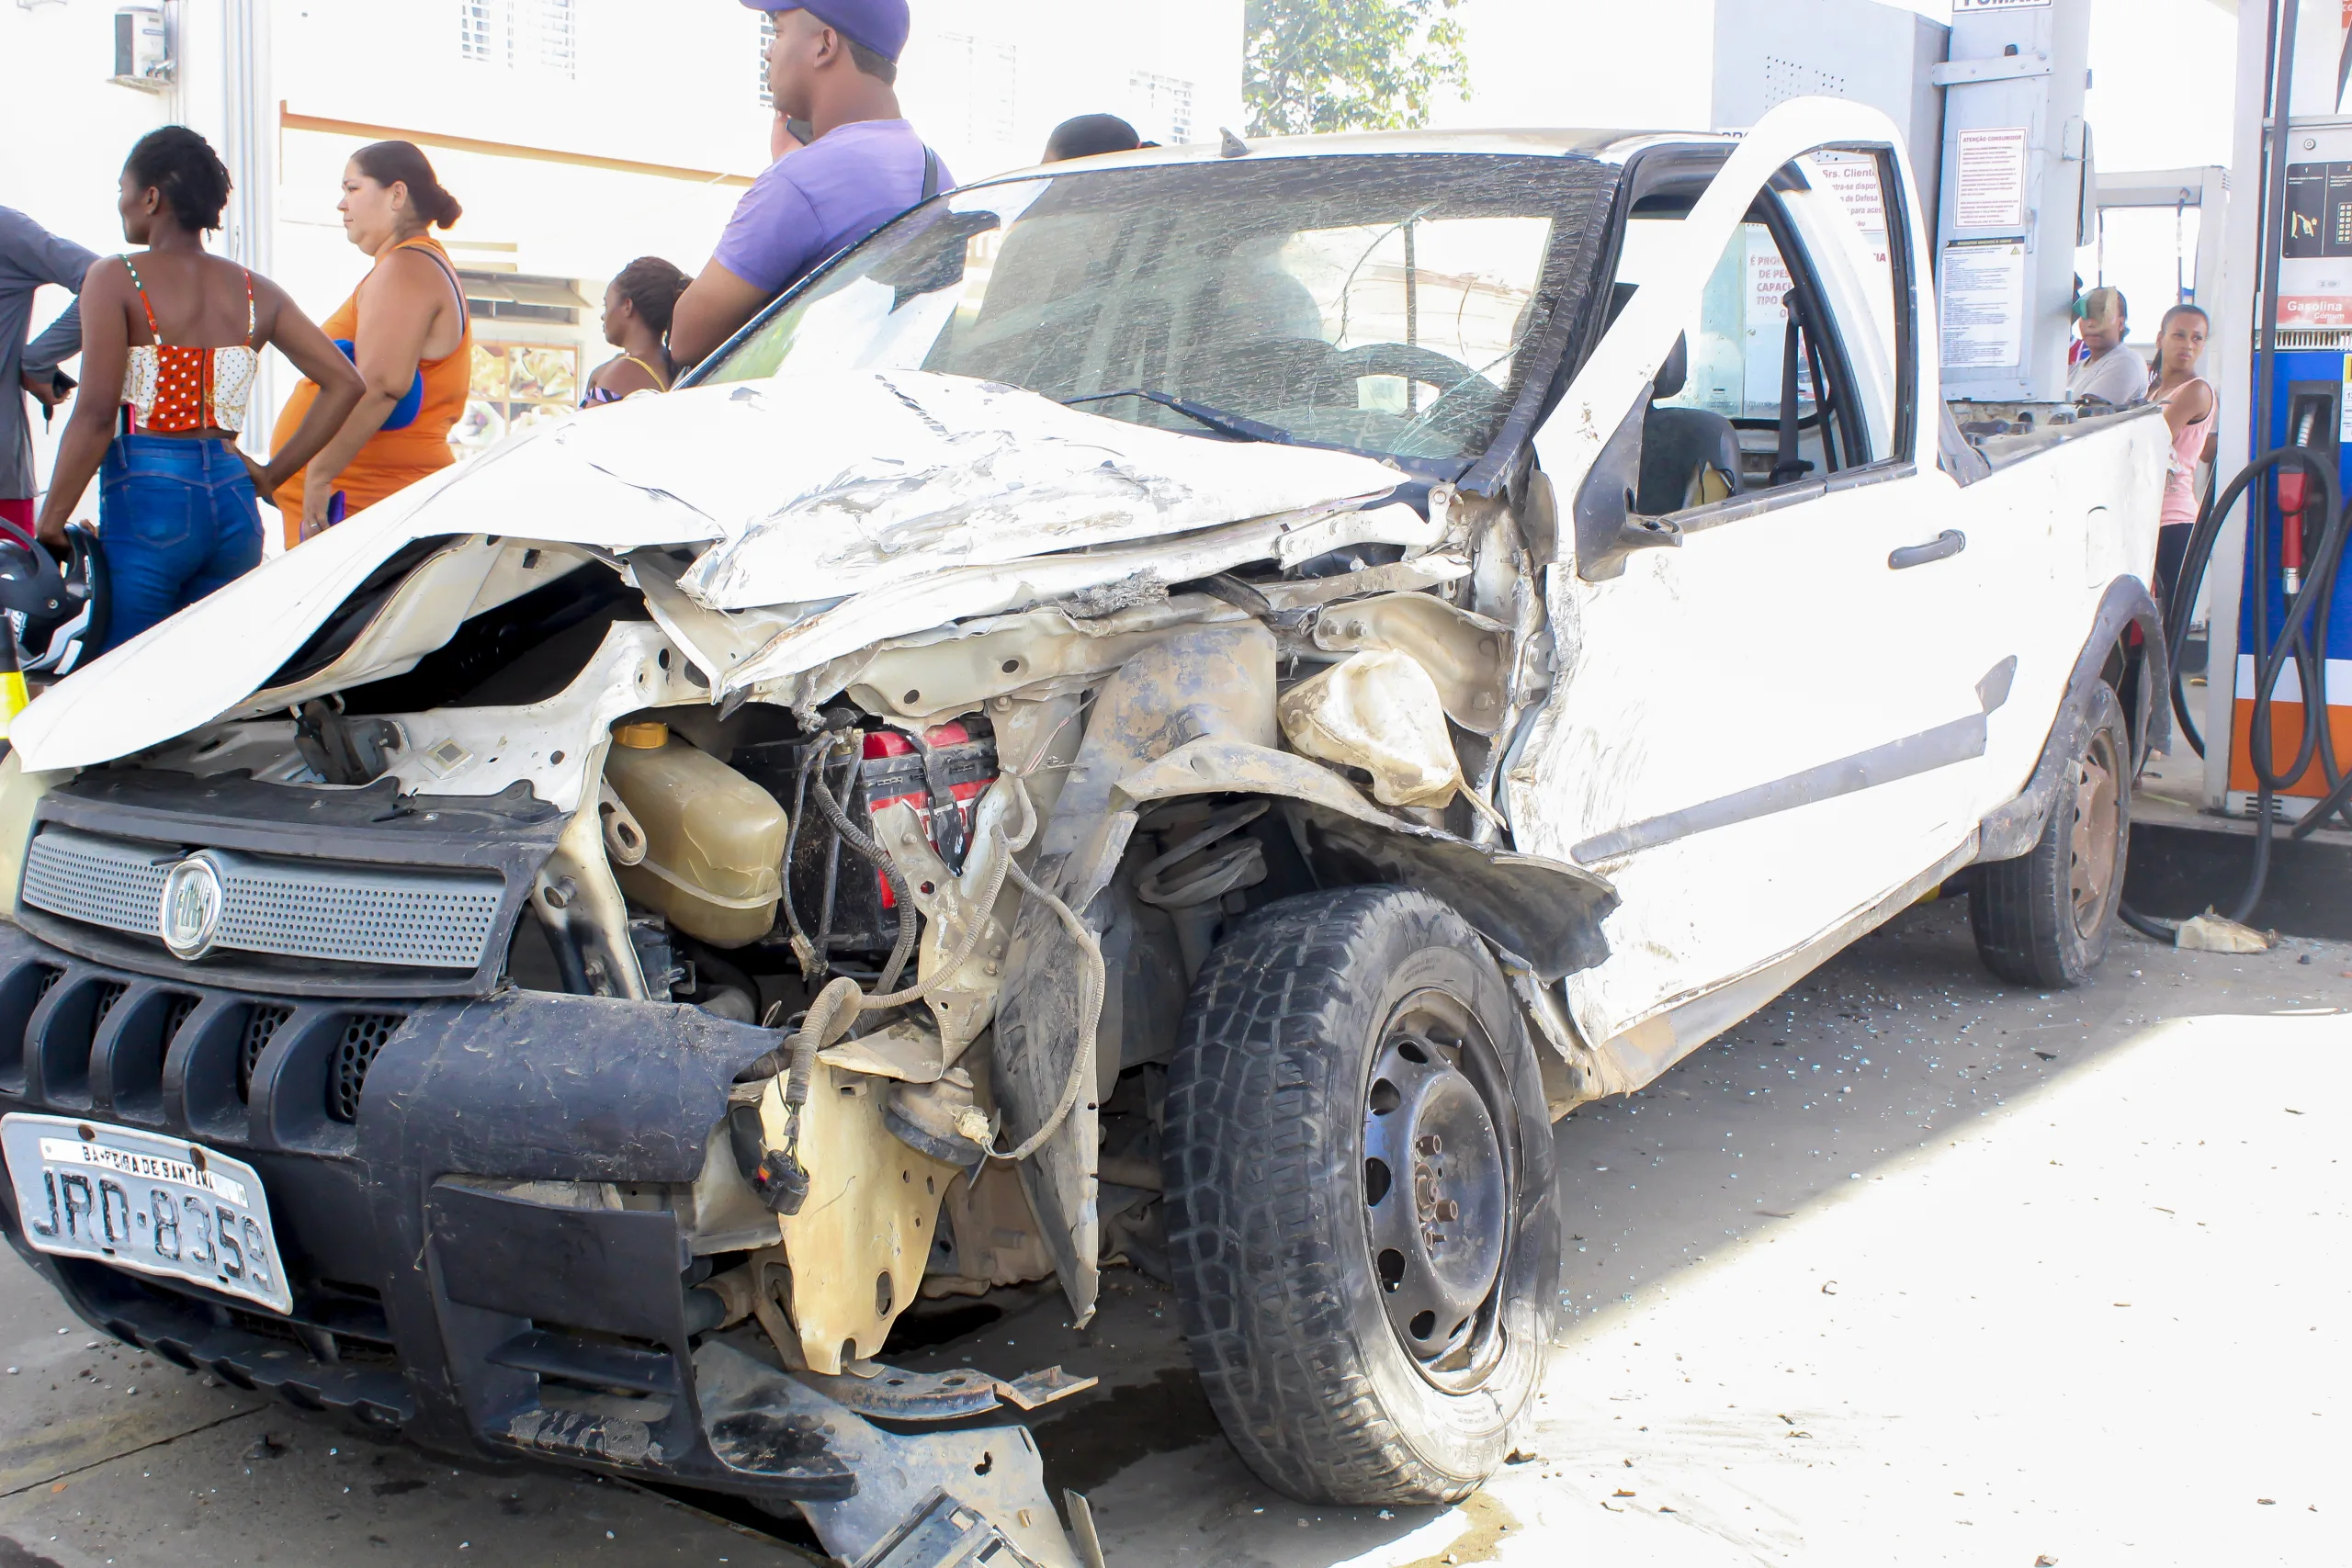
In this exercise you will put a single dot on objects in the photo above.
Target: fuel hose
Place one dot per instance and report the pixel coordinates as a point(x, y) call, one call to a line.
point(2301, 641)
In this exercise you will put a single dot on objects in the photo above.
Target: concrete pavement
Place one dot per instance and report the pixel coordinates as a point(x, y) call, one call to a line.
point(1909, 1268)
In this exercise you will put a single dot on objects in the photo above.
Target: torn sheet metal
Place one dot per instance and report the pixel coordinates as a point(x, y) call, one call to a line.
point(1038, 653)
point(1546, 912)
point(871, 1213)
point(896, 1395)
point(1207, 681)
point(961, 1002)
point(1112, 578)
point(761, 1421)
point(1396, 577)
point(880, 476)
point(1469, 655)
point(730, 462)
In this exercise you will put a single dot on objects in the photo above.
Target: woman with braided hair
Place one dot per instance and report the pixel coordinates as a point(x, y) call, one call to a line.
point(636, 319)
point(171, 336)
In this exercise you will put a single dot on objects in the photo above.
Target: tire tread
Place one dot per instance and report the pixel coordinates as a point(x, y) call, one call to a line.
point(1260, 1282)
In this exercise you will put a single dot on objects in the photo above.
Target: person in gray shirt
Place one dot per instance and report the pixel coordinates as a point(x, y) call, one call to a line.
point(29, 256)
point(2109, 371)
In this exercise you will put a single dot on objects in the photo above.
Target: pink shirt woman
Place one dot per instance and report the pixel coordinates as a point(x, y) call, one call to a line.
point(2189, 403)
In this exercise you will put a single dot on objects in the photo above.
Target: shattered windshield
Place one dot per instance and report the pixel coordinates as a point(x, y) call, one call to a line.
point(1387, 304)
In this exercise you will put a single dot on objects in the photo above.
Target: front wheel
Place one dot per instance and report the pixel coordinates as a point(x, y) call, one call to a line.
point(1360, 1220)
point(2044, 919)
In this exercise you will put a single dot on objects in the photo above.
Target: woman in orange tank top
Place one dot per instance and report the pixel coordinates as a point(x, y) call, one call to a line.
point(408, 333)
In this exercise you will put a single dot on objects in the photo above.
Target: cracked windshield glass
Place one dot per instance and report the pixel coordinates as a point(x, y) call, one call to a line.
point(1388, 305)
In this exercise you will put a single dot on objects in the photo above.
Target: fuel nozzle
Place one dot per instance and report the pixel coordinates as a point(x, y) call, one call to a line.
point(2294, 491)
point(2305, 425)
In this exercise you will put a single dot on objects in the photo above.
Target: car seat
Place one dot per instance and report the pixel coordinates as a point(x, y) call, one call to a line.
point(1690, 457)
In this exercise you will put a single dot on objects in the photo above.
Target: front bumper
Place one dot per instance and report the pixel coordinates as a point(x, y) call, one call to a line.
point(427, 1307)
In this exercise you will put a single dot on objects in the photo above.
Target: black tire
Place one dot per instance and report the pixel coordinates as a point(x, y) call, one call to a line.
point(2044, 919)
point(1297, 1023)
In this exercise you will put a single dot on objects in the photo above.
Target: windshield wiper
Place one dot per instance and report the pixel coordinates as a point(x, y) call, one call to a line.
point(1217, 419)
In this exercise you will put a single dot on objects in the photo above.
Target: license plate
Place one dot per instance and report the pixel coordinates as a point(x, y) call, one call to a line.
point(142, 1201)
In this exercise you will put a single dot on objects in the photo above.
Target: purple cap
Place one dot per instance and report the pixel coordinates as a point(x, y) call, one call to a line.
point(880, 25)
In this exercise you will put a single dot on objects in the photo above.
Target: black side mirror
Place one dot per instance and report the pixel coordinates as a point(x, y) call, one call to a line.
point(1675, 371)
point(1608, 527)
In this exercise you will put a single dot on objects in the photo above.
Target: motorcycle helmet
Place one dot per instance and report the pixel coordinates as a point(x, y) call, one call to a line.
point(58, 615)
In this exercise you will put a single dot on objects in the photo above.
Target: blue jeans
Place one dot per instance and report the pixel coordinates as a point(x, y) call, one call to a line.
point(177, 518)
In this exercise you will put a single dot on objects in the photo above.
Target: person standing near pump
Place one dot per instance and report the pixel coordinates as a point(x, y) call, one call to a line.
point(29, 256)
point(833, 63)
point(2190, 406)
point(406, 327)
point(638, 303)
point(2109, 371)
point(170, 340)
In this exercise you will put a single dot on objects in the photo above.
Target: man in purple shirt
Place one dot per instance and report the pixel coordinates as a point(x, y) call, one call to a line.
point(832, 63)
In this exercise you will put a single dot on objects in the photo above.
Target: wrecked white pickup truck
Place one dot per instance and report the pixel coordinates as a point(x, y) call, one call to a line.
point(1172, 711)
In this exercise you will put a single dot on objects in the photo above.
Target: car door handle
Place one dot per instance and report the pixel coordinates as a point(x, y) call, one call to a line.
point(1950, 542)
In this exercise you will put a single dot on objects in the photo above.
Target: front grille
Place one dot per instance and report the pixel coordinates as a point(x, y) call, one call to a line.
point(363, 1035)
point(297, 909)
point(83, 878)
point(262, 1020)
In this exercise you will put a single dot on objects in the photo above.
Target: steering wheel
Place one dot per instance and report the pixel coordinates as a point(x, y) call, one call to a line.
point(1453, 412)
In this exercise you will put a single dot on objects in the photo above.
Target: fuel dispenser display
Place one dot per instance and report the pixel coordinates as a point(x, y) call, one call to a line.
point(2310, 716)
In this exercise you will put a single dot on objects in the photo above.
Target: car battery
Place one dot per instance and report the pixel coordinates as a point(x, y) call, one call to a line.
point(841, 898)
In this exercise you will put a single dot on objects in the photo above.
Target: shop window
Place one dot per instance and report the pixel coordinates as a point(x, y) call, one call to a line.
point(516, 386)
point(516, 297)
point(525, 35)
point(1163, 107)
point(976, 85)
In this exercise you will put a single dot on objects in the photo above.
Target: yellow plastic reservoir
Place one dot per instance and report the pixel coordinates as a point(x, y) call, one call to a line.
point(714, 840)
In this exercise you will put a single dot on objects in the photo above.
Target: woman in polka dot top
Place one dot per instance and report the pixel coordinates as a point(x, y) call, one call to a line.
point(170, 339)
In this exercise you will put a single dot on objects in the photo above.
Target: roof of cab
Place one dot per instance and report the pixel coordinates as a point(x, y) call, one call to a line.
point(1609, 146)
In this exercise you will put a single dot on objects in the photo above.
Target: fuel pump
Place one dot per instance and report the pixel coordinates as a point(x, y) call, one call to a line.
point(2288, 736)
point(2286, 714)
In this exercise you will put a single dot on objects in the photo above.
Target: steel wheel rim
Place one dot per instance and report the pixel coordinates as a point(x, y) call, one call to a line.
point(1437, 1188)
point(2091, 848)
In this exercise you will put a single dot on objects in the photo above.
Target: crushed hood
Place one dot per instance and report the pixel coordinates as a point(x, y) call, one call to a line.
point(818, 488)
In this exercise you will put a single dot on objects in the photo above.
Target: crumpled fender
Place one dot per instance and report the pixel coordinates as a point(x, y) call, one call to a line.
point(1194, 715)
point(2013, 829)
point(1544, 912)
point(1213, 680)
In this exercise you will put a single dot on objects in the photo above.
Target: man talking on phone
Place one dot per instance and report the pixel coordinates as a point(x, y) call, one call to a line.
point(834, 64)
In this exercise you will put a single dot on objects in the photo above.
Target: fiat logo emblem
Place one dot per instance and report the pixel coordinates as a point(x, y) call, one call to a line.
point(189, 914)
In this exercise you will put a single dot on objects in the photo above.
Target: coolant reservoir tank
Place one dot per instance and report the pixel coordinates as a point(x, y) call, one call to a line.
point(714, 840)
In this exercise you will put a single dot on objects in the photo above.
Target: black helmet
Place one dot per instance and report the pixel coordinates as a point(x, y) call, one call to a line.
point(60, 617)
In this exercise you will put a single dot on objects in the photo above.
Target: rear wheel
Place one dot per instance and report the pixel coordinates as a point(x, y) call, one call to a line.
point(1360, 1220)
point(2044, 919)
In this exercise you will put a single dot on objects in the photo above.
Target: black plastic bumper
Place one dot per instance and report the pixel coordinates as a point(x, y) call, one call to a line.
point(463, 1319)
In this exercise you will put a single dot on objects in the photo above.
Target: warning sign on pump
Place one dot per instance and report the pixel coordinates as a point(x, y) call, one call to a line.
point(1983, 304)
point(1989, 179)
